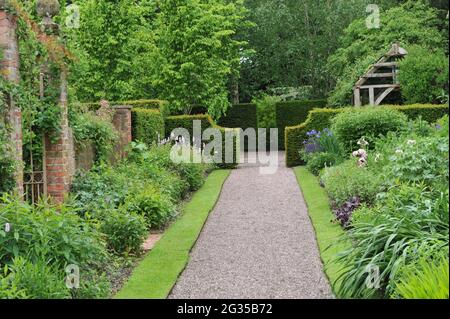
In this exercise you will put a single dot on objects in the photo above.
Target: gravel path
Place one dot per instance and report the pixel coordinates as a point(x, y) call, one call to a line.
point(258, 243)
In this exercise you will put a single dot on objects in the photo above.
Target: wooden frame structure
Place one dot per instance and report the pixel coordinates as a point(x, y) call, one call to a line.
point(385, 70)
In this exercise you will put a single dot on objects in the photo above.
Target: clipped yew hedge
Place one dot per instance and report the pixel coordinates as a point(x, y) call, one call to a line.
point(187, 122)
point(319, 119)
point(240, 116)
point(293, 112)
point(147, 125)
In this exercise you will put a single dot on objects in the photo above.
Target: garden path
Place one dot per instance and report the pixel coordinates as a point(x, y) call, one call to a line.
point(258, 243)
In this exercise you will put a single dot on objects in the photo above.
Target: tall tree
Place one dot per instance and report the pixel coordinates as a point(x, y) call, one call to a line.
point(197, 52)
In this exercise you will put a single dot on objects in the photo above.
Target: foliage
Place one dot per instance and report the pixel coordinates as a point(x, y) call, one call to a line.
point(39, 232)
point(101, 189)
point(125, 231)
point(7, 165)
point(88, 127)
point(156, 275)
point(37, 280)
point(114, 45)
point(424, 75)
point(266, 110)
point(413, 22)
point(424, 280)
point(197, 52)
point(367, 123)
point(324, 141)
point(320, 160)
point(156, 207)
point(294, 113)
point(240, 116)
point(301, 93)
point(388, 239)
point(230, 137)
point(406, 218)
point(292, 41)
point(147, 125)
point(347, 180)
point(418, 160)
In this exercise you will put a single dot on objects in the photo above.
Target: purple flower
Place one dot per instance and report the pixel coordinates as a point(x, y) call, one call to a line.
point(438, 127)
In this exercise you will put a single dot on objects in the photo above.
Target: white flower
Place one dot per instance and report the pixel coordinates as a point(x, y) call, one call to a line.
point(362, 142)
point(7, 227)
point(398, 151)
point(411, 142)
point(377, 157)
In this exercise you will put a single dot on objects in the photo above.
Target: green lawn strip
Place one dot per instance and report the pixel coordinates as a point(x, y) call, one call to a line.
point(327, 232)
point(155, 276)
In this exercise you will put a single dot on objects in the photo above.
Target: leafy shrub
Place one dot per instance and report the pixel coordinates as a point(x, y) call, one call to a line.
point(37, 280)
point(7, 165)
point(424, 75)
point(318, 161)
point(324, 141)
point(321, 118)
point(266, 110)
point(102, 188)
point(57, 234)
point(125, 231)
point(418, 160)
point(392, 234)
point(369, 123)
point(153, 205)
point(347, 180)
point(147, 125)
point(424, 280)
point(92, 128)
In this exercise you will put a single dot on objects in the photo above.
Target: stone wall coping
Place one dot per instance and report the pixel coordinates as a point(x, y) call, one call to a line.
point(122, 107)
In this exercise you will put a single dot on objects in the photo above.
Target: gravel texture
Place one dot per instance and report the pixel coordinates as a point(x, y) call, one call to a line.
point(258, 243)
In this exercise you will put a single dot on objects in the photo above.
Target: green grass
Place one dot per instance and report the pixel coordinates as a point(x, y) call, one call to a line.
point(327, 232)
point(155, 276)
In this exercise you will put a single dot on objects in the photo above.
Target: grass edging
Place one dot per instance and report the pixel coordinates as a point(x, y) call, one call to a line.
point(327, 232)
point(158, 272)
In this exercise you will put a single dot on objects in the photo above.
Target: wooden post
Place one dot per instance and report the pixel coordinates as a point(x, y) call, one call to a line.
point(372, 96)
point(357, 93)
point(9, 69)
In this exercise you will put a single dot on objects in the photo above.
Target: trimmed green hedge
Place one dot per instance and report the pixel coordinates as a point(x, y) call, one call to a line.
point(146, 125)
point(293, 112)
point(320, 119)
point(240, 116)
point(187, 122)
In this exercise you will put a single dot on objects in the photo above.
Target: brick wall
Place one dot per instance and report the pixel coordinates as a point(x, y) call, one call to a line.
point(58, 155)
point(122, 123)
point(9, 69)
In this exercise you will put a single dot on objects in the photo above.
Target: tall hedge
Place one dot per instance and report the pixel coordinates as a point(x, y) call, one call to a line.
point(240, 116)
point(292, 113)
point(187, 122)
point(320, 119)
point(147, 125)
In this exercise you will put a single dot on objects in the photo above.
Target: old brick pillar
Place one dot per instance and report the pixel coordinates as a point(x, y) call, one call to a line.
point(57, 148)
point(122, 123)
point(9, 66)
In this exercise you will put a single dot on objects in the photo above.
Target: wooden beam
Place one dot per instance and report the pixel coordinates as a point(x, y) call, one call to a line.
point(380, 86)
point(379, 75)
point(386, 64)
point(383, 95)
